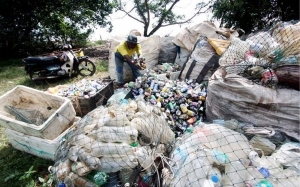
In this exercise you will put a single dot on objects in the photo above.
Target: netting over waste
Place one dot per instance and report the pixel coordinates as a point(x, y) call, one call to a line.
point(130, 143)
point(262, 53)
point(123, 137)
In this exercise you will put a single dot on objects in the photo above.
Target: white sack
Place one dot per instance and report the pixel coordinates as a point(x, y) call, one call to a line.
point(188, 36)
point(202, 52)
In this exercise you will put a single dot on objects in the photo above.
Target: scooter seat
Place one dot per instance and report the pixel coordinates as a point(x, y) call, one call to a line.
point(42, 59)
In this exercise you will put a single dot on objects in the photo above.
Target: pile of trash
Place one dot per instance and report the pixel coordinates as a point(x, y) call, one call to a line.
point(182, 101)
point(173, 133)
point(126, 139)
point(262, 54)
point(215, 155)
point(84, 88)
point(166, 68)
point(161, 138)
point(129, 143)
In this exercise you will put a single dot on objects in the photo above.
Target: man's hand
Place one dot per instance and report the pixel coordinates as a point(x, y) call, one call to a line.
point(138, 63)
point(142, 63)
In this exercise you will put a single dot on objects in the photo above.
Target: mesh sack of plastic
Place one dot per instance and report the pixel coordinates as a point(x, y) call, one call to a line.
point(279, 45)
point(215, 155)
point(118, 144)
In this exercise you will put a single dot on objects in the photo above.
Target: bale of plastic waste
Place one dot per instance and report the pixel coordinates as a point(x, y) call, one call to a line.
point(124, 135)
point(213, 155)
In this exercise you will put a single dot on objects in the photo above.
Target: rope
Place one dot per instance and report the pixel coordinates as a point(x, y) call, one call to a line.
point(261, 131)
point(166, 173)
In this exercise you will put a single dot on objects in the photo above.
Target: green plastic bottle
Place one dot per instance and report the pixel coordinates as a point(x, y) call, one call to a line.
point(264, 183)
point(98, 177)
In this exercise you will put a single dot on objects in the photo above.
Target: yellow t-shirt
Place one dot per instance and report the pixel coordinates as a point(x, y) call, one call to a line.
point(123, 49)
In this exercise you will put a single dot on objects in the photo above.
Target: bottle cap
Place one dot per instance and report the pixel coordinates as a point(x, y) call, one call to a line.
point(265, 172)
point(214, 178)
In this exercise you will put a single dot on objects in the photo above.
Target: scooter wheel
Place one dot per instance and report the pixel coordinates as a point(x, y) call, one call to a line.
point(34, 75)
point(86, 67)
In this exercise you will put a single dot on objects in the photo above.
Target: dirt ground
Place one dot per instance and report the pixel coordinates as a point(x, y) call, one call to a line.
point(99, 53)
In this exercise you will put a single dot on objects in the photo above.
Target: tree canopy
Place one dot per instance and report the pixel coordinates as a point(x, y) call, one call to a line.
point(154, 14)
point(25, 23)
point(253, 15)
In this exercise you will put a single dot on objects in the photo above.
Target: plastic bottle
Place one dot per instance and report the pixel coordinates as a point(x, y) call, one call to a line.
point(184, 89)
point(127, 176)
point(62, 170)
point(62, 184)
point(264, 183)
point(130, 84)
point(235, 173)
point(208, 183)
point(190, 129)
point(113, 180)
point(80, 181)
point(218, 156)
point(68, 182)
point(264, 171)
point(98, 177)
point(155, 88)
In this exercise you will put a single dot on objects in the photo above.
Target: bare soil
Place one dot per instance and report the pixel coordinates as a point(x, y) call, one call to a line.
point(99, 53)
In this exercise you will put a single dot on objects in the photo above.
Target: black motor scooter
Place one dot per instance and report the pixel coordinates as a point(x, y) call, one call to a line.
point(49, 67)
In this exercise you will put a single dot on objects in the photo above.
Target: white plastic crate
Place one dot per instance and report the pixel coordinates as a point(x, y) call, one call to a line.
point(37, 146)
point(57, 112)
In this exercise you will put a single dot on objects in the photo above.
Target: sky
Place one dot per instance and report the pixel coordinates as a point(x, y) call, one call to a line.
point(122, 24)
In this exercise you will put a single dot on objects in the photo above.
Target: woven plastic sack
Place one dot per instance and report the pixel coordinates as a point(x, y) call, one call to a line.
point(236, 97)
point(167, 53)
point(289, 75)
point(189, 36)
point(202, 52)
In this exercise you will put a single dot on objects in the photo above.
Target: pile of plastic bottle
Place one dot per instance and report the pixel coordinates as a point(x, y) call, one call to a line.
point(166, 68)
point(83, 88)
point(182, 101)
